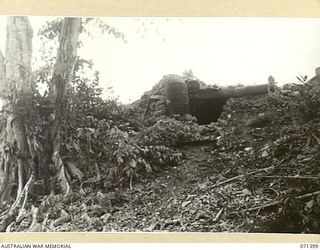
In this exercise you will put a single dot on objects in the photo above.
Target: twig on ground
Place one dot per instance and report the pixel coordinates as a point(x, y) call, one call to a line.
point(218, 215)
point(275, 191)
point(245, 175)
point(318, 140)
point(304, 196)
point(301, 197)
point(97, 171)
point(287, 177)
point(130, 184)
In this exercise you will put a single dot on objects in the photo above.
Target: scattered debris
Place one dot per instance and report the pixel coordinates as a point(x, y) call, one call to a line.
point(252, 170)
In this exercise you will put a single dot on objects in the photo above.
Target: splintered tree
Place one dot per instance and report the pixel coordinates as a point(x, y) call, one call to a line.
point(19, 150)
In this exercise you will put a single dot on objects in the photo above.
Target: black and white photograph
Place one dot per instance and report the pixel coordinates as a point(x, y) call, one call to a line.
point(159, 124)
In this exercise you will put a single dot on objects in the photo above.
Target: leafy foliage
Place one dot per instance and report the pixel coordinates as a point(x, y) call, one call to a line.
point(178, 130)
point(96, 129)
point(121, 154)
point(51, 29)
point(307, 103)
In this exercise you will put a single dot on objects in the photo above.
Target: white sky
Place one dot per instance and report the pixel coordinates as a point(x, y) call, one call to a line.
point(220, 51)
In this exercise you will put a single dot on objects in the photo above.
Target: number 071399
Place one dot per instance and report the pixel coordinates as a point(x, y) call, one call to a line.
point(313, 246)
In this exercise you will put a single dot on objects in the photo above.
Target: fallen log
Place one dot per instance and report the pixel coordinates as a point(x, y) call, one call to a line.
point(228, 92)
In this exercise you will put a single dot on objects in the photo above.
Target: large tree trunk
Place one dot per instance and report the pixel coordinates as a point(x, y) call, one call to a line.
point(62, 77)
point(18, 168)
point(15, 85)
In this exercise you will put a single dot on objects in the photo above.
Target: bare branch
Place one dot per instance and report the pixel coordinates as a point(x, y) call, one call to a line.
point(249, 174)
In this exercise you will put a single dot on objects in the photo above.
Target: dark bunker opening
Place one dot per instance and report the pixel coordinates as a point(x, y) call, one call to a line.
point(207, 110)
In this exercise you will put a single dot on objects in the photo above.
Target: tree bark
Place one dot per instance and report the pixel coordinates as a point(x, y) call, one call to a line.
point(17, 126)
point(15, 75)
point(2, 74)
point(61, 80)
point(18, 53)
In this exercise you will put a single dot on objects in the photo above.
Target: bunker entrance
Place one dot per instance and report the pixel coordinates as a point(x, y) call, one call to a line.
point(207, 110)
point(205, 103)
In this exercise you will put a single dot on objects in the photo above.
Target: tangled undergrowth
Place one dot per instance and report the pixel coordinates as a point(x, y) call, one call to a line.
point(255, 170)
point(277, 153)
